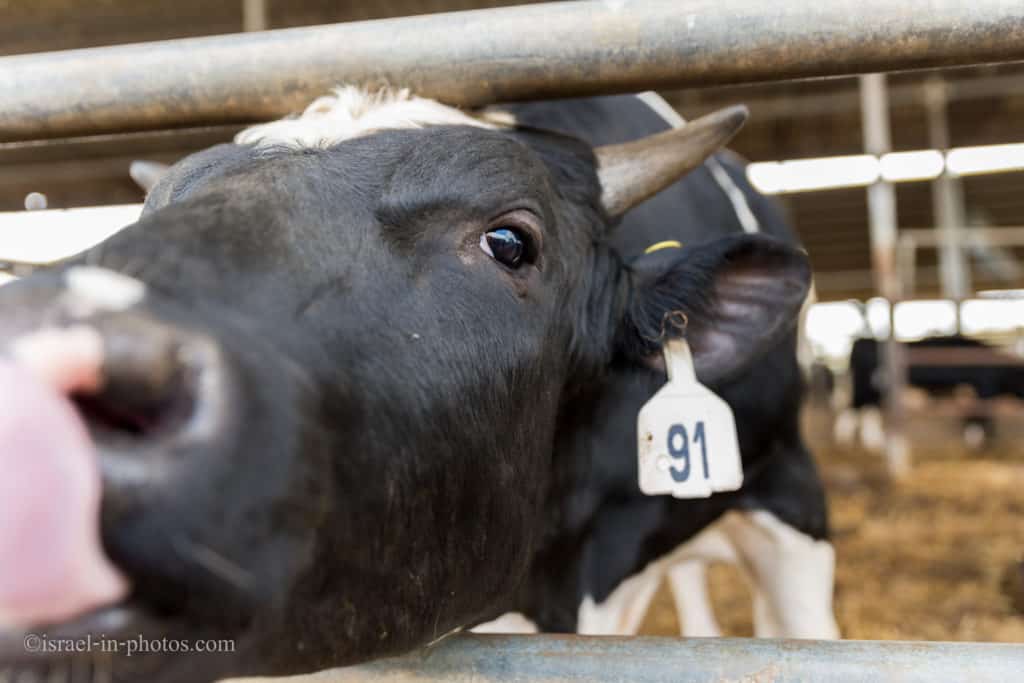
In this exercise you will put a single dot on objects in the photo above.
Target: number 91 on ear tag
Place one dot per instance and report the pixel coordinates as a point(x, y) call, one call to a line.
point(687, 445)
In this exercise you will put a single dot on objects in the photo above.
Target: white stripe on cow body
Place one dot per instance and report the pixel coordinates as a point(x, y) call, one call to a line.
point(735, 195)
point(351, 112)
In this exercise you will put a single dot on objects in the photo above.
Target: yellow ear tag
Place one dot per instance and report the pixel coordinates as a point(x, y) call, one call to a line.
point(687, 444)
point(667, 244)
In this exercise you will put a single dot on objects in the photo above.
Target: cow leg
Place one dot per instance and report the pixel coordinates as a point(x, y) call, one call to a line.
point(792, 574)
point(510, 622)
point(872, 429)
point(688, 581)
point(622, 611)
point(766, 623)
point(844, 429)
point(687, 578)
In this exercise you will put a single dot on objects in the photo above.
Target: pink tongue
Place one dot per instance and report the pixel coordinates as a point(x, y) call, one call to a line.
point(52, 566)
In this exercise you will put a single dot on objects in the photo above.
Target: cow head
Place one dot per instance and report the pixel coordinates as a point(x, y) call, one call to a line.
point(323, 372)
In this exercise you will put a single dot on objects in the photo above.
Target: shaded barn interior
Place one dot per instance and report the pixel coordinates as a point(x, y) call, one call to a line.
point(789, 121)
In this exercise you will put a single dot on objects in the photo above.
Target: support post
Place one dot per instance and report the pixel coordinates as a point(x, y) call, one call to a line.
point(947, 201)
point(254, 15)
point(882, 224)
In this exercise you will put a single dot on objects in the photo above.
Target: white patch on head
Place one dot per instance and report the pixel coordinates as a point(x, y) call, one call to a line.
point(351, 112)
point(92, 290)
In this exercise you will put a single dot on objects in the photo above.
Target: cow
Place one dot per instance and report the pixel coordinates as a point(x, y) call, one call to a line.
point(987, 372)
point(332, 397)
point(613, 545)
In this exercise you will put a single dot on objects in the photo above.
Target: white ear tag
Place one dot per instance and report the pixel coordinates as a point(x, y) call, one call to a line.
point(687, 444)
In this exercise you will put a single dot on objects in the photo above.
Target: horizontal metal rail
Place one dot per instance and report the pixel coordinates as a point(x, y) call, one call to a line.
point(1010, 236)
point(486, 56)
point(959, 408)
point(961, 357)
point(533, 659)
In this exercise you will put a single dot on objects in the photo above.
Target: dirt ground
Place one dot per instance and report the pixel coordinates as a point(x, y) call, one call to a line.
point(921, 559)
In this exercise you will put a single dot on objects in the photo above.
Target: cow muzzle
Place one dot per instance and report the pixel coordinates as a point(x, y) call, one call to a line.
point(101, 402)
point(140, 385)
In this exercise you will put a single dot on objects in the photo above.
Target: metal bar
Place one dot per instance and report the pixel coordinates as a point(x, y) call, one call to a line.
point(1011, 236)
point(487, 56)
point(906, 265)
point(254, 15)
point(767, 106)
point(882, 224)
point(536, 659)
point(957, 409)
point(947, 200)
point(18, 154)
point(840, 285)
point(974, 357)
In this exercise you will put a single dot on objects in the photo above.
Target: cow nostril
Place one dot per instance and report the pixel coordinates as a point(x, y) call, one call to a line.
point(134, 414)
point(147, 389)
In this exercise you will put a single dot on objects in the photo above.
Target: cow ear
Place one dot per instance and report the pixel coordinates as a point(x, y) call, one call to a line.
point(732, 299)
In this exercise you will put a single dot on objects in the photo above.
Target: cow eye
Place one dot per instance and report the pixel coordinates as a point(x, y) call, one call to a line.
point(507, 246)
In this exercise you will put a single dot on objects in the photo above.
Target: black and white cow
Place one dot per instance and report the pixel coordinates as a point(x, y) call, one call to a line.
point(985, 370)
point(368, 376)
point(613, 546)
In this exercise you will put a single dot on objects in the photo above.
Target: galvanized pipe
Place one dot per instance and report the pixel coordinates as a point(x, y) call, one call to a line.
point(536, 659)
point(947, 200)
point(884, 231)
point(485, 56)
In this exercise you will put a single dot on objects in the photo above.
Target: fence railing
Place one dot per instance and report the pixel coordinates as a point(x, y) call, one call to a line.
point(484, 56)
point(537, 659)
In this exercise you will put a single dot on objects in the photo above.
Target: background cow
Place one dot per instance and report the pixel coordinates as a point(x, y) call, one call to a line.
point(342, 373)
point(988, 373)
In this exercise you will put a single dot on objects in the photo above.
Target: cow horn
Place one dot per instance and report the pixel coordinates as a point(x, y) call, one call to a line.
point(634, 171)
point(146, 174)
